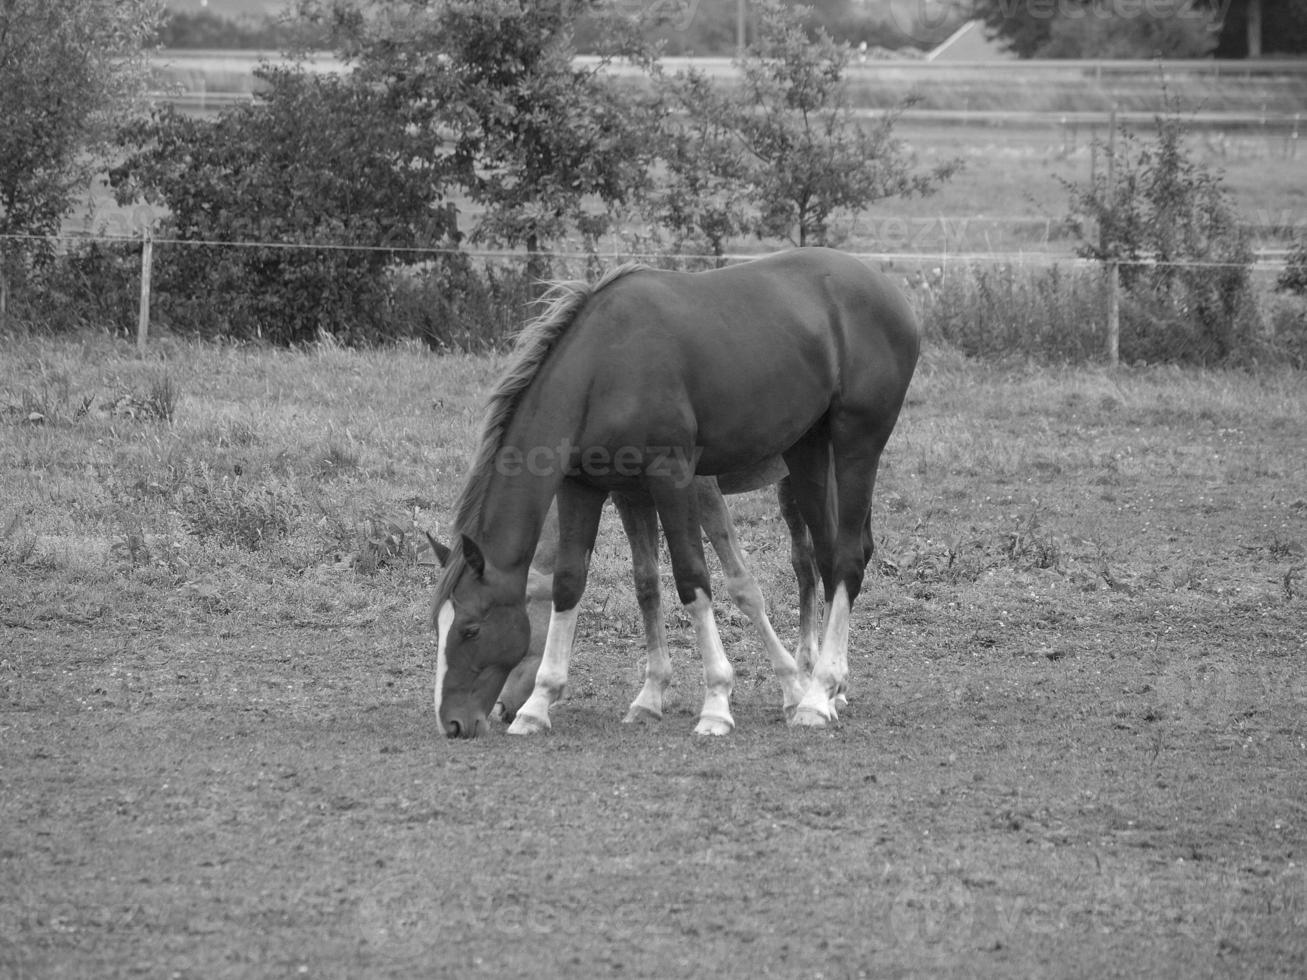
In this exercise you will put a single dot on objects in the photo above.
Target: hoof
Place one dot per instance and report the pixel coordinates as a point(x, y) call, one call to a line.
point(806, 717)
point(639, 713)
point(714, 725)
point(839, 702)
point(528, 725)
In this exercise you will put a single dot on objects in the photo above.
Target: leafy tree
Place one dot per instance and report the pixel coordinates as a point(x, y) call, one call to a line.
point(543, 146)
point(702, 197)
point(782, 154)
point(317, 161)
point(69, 71)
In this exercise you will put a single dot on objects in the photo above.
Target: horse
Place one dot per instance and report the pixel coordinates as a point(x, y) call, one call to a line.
point(640, 524)
point(638, 383)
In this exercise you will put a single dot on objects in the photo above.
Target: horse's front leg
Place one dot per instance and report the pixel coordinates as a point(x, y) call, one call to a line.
point(674, 497)
point(640, 521)
point(579, 508)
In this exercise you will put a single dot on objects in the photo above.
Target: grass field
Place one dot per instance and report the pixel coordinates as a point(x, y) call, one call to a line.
point(1076, 744)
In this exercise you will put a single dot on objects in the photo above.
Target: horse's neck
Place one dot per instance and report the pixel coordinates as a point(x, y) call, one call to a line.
point(512, 519)
point(518, 520)
point(519, 524)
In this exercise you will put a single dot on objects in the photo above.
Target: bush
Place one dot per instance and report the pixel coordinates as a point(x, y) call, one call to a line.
point(1286, 335)
point(1185, 263)
point(94, 285)
point(319, 163)
point(1042, 313)
point(1294, 277)
point(451, 305)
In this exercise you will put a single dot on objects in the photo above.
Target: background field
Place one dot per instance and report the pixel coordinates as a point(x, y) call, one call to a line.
point(1076, 744)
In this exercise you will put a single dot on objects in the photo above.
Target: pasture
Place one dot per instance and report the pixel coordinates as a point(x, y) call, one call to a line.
point(1076, 742)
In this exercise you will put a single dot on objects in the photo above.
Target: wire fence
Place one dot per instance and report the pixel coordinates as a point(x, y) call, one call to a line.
point(1265, 259)
point(921, 269)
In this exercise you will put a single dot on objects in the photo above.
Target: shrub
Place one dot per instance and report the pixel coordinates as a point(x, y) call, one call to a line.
point(1286, 334)
point(319, 163)
point(94, 285)
point(1185, 263)
point(1042, 313)
point(1294, 277)
point(451, 304)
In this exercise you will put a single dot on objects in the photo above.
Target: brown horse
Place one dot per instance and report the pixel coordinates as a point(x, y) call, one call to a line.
point(637, 384)
point(641, 525)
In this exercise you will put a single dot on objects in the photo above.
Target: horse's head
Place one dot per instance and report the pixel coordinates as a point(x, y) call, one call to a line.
point(482, 634)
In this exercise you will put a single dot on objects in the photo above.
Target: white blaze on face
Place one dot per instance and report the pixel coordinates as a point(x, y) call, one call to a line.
point(444, 620)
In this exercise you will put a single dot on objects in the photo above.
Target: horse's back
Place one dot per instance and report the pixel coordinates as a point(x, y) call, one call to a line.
point(739, 362)
point(788, 301)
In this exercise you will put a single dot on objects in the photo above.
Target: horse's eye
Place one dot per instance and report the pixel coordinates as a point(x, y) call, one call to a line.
point(471, 632)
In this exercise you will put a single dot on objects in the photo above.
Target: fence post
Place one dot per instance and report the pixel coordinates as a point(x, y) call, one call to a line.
point(1113, 269)
point(147, 261)
point(1113, 312)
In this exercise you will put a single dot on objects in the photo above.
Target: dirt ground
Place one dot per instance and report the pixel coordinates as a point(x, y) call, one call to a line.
point(1076, 745)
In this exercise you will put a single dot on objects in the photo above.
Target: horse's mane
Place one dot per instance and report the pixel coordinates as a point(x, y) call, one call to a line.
point(561, 302)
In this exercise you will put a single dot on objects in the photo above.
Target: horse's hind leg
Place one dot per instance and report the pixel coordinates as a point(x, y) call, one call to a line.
point(677, 506)
point(579, 508)
point(743, 587)
point(855, 478)
point(804, 564)
point(640, 520)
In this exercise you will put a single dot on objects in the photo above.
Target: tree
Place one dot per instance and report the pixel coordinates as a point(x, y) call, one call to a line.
point(69, 72)
point(318, 161)
point(702, 198)
point(781, 154)
point(545, 147)
point(1104, 28)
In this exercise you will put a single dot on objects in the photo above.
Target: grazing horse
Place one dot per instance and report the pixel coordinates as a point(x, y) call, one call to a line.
point(640, 523)
point(638, 384)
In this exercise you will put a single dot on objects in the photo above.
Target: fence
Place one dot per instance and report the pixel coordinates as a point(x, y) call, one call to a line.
point(918, 268)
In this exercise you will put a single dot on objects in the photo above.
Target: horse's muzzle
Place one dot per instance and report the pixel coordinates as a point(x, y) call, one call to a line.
point(465, 725)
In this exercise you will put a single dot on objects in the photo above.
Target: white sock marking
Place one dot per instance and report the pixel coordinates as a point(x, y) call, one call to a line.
point(551, 677)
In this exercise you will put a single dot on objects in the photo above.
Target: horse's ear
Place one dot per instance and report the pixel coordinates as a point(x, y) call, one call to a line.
point(473, 556)
point(438, 549)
